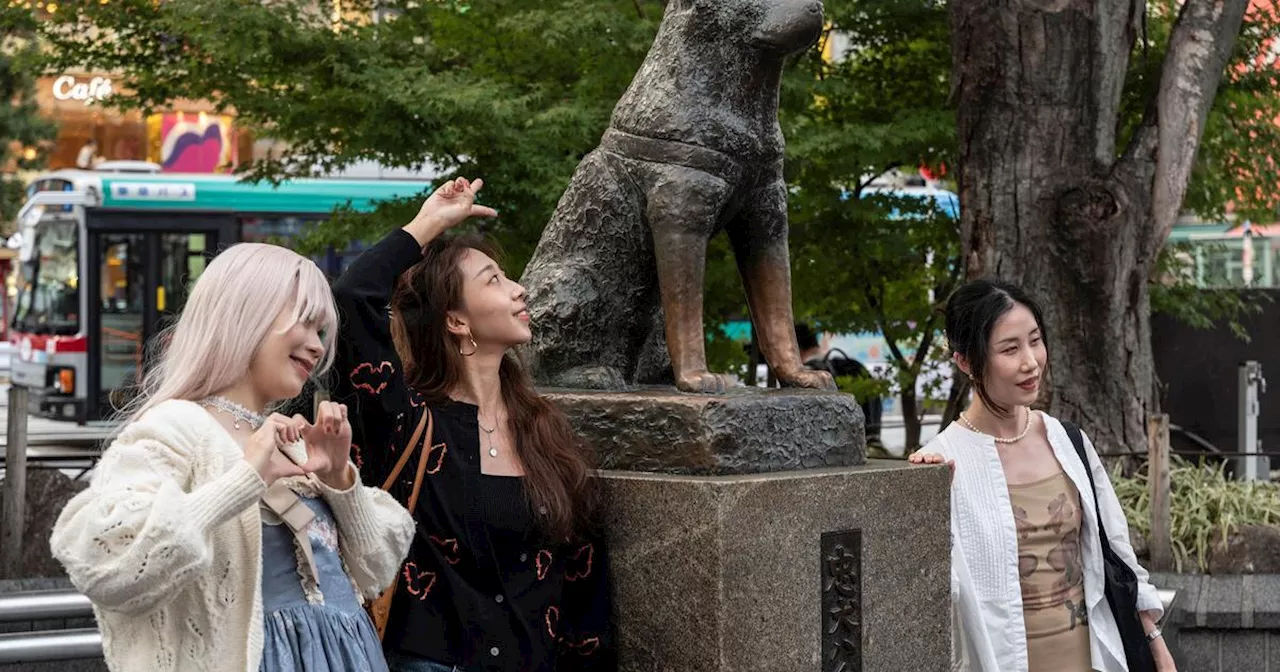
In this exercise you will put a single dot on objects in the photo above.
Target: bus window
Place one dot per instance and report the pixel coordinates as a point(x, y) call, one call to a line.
point(284, 231)
point(50, 300)
point(182, 260)
point(274, 230)
point(121, 301)
point(52, 184)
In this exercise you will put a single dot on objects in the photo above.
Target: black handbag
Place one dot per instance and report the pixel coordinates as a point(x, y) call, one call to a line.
point(1121, 582)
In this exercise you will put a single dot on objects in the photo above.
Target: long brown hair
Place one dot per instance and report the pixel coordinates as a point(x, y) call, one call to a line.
point(557, 465)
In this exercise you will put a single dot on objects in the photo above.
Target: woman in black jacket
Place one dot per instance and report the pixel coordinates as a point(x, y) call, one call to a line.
point(506, 573)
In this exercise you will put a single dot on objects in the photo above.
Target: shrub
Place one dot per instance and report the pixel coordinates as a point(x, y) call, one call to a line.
point(1205, 506)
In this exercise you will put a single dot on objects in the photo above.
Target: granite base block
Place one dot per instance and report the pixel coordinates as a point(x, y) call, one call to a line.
point(1223, 623)
point(1200, 650)
point(1247, 652)
point(730, 573)
point(745, 430)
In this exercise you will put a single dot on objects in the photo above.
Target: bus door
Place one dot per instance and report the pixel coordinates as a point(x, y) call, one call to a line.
point(140, 268)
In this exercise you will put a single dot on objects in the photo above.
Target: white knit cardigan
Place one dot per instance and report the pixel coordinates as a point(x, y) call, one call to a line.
point(167, 543)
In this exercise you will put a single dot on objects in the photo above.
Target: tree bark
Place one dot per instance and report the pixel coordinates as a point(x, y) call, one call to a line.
point(1048, 201)
point(910, 419)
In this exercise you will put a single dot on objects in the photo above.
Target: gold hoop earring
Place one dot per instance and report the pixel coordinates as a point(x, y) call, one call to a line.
point(474, 347)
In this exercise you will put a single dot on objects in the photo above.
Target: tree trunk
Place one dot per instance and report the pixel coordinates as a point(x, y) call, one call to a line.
point(957, 398)
point(1048, 202)
point(753, 361)
point(910, 418)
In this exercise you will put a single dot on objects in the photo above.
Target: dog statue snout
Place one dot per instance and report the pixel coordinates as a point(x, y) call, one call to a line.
point(789, 26)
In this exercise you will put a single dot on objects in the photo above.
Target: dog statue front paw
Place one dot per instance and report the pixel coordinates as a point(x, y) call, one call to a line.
point(808, 378)
point(704, 382)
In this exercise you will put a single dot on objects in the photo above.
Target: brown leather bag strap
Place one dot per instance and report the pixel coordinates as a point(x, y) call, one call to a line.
point(422, 464)
point(408, 450)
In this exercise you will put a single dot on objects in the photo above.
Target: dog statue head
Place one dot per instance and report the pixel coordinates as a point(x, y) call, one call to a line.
point(782, 27)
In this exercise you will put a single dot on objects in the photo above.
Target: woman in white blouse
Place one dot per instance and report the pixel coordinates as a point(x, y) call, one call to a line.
point(1027, 578)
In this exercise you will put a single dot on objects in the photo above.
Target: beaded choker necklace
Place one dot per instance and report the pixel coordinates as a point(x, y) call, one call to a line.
point(236, 411)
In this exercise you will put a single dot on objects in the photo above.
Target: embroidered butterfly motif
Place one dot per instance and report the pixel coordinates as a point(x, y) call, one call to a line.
point(417, 582)
point(448, 549)
point(543, 562)
point(578, 566)
point(415, 399)
point(370, 378)
point(435, 458)
point(582, 647)
point(552, 618)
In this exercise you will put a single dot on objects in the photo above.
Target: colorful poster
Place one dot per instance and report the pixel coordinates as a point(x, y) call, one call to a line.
point(184, 142)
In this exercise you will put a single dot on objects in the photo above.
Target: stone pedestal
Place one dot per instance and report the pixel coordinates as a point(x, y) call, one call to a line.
point(746, 430)
point(826, 570)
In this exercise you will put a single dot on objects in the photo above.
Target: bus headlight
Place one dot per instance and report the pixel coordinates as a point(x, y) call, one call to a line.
point(64, 381)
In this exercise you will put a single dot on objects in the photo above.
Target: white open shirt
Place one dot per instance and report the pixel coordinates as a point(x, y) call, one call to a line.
point(986, 594)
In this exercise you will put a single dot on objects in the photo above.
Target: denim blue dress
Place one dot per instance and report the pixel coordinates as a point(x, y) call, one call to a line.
point(321, 628)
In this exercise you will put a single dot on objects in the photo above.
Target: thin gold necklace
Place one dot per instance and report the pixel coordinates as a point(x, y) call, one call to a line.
point(493, 452)
point(1026, 427)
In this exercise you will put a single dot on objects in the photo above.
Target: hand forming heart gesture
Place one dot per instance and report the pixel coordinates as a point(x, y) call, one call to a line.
point(272, 451)
point(328, 444)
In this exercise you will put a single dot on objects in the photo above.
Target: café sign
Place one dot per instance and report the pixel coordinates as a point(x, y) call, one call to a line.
point(95, 90)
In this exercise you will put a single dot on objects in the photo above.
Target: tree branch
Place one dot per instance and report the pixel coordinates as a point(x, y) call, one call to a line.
point(882, 319)
point(1199, 48)
point(941, 294)
point(863, 184)
point(926, 343)
point(1116, 27)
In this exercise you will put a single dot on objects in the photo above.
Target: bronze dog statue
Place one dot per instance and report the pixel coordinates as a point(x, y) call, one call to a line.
point(693, 148)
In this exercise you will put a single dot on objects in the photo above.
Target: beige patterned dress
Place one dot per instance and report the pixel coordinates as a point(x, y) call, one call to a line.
point(1047, 513)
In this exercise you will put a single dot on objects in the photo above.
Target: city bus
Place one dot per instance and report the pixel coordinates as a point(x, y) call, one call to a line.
point(107, 257)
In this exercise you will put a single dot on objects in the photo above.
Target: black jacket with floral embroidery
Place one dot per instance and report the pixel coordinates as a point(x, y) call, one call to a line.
point(461, 600)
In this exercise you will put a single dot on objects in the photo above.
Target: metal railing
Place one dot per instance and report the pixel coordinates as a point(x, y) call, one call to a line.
point(43, 605)
point(31, 647)
point(85, 643)
point(1167, 597)
point(47, 645)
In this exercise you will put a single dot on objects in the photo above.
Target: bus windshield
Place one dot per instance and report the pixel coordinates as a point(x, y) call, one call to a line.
point(49, 302)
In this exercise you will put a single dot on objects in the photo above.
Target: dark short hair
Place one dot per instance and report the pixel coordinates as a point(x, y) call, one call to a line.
point(805, 337)
point(972, 313)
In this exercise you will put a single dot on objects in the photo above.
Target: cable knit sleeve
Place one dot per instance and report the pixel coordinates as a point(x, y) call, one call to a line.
point(137, 536)
point(376, 532)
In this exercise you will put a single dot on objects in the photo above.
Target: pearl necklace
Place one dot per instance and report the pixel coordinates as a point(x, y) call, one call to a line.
point(1025, 428)
point(236, 411)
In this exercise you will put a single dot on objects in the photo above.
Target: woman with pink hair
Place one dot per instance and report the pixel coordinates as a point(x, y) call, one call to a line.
point(216, 535)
